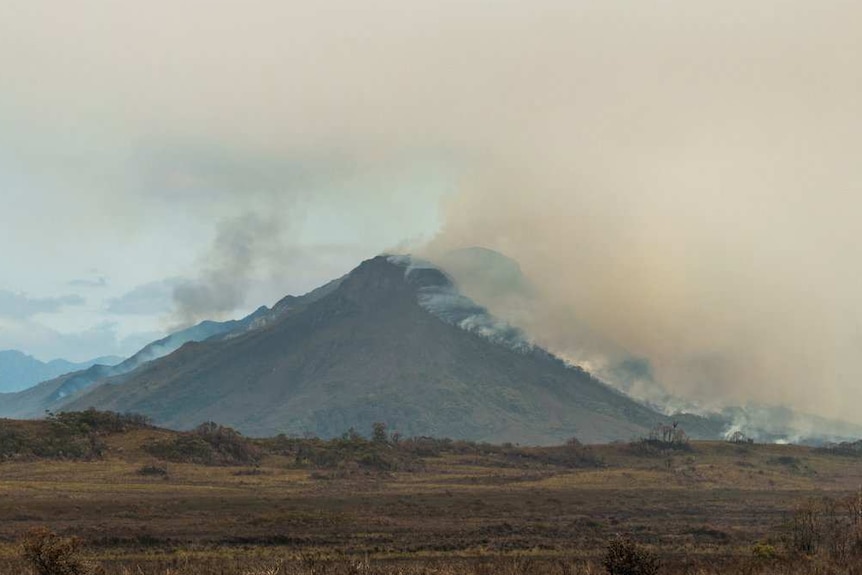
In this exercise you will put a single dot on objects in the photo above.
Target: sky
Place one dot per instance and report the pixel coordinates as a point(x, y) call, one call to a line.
point(678, 178)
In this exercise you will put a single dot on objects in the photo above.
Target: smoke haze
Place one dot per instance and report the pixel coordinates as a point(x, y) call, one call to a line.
point(679, 181)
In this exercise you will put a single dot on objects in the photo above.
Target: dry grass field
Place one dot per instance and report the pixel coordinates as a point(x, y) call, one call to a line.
point(359, 506)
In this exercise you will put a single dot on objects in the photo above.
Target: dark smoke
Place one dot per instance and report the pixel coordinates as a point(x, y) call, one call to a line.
point(240, 246)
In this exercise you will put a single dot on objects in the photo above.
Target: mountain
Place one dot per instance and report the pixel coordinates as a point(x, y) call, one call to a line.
point(396, 341)
point(54, 393)
point(19, 371)
point(393, 341)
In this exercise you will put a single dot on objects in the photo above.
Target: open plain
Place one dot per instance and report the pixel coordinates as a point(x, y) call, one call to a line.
point(147, 500)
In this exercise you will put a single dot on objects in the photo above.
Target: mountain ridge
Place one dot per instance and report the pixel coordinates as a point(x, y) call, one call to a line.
point(19, 370)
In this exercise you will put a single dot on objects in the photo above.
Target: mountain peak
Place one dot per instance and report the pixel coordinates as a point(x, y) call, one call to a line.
point(387, 277)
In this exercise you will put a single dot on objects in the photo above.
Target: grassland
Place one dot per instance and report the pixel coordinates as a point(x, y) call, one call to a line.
point(355, 505)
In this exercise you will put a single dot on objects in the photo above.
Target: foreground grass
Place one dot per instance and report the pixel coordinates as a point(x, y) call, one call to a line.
point(358, 507)
point(264, 563)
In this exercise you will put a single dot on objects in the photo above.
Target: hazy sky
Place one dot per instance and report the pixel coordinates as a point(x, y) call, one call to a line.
point(681, 177)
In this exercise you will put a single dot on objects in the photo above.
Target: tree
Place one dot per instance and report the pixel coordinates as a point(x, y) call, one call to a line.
point(379, 434)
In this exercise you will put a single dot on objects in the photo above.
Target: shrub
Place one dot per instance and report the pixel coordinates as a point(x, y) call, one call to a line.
point(379, 434)
point(50, 554)
point(252, 471)
point(625, 557)
point(68, 435)
point(763, 551)
point(55, 441)
point(349, 453)
point(153, 469)
point(207, 444)
point(92, 420)
point(661, 440)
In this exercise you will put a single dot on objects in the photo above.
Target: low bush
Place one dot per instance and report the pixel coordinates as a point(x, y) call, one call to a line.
point(350, 452)
point(51, 554)
point(764, 552)
point(55, 441)
point(92, 420)
point(207, 444)
point(153, 470)
point(625, 557)
point(67, 435)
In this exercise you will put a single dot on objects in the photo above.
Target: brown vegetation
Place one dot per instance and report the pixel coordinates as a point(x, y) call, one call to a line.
point(207, 444)
point(386, 504)
point(49, 554)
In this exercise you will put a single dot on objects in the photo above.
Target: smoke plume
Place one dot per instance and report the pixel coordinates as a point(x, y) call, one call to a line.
point(680, 181)
point(223, 281)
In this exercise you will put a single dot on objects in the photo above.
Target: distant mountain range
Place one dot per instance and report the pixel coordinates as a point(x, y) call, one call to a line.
point(19, 371)
point(394, 341)
point(52, 394)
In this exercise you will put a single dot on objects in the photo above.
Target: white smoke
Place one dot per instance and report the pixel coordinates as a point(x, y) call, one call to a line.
point(443, 300)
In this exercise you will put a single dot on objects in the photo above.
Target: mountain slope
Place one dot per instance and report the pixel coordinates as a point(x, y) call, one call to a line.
point(19, 371)
point(53, 393)
point(370, 351)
